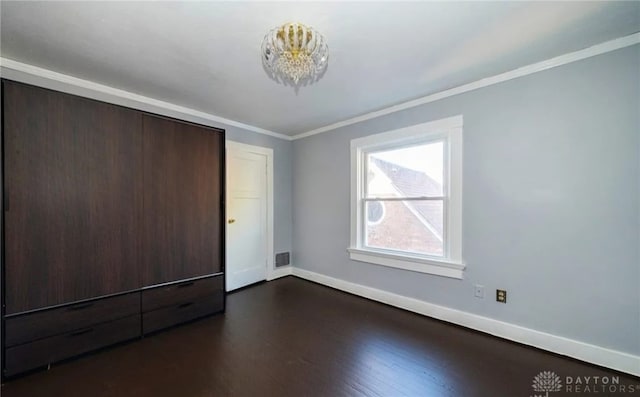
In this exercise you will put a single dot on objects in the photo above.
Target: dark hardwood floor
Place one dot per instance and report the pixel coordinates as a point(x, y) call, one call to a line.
point(294, 338)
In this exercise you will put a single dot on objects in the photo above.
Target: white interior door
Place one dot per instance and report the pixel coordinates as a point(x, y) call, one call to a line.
point(246, 217)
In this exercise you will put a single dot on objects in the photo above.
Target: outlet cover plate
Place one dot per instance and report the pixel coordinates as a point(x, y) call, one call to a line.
point(501, 295)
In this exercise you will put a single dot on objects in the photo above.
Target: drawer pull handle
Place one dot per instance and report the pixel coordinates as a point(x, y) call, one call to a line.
point(81, 332)
point(183, 285)
point(182, 306)
point(81, 306)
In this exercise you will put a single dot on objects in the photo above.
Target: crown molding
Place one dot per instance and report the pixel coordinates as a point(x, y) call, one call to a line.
point(565, 59)
point(115, 95)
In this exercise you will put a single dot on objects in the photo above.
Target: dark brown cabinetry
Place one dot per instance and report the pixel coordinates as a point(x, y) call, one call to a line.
point(45, 336)
point(73, 173)
point(55, 348)
point(68, 318)
point(173, 304)
point(181, 207)
point(102, 204)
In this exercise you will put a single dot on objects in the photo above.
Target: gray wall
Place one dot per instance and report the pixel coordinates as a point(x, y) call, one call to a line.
point(550, 205)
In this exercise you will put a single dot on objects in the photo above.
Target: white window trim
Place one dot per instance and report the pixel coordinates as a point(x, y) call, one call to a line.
point(451, 264)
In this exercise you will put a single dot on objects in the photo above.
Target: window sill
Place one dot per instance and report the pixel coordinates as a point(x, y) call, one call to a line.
point(445, 268)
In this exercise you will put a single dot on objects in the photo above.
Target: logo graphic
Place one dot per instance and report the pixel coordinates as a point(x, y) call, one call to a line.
point(546, 381)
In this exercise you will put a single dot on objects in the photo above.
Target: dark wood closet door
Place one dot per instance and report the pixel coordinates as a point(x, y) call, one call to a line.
point(182, 207)
point(73, 190)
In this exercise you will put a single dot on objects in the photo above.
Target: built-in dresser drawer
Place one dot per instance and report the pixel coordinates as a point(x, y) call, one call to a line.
point(184, 292)
point(41, 324)
point(49, 350)
point(179, 313)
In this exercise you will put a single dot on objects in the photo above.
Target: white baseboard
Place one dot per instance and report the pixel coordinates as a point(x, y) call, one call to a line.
point(613, 359)
point(279, 272)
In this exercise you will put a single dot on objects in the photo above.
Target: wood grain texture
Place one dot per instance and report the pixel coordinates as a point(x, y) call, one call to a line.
point(290, 337)
point(49, 350)
point(182, 207)
point(175, 294)
point(180, 313)
point(73, 170)
point(45, 323)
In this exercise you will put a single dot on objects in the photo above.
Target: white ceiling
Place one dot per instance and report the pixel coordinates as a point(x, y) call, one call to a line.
point(206, 56)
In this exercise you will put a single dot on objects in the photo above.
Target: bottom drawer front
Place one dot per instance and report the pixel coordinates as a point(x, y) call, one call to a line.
point(166, 317)
point(49, 350)
point(46, 323)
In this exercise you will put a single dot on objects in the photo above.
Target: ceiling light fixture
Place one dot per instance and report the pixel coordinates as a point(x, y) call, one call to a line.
point(295, 52)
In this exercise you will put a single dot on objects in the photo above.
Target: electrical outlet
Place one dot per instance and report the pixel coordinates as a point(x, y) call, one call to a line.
point(479, 291)
point(501, 295)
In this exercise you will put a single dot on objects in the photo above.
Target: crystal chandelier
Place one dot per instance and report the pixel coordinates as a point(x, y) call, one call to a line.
point(295, 52)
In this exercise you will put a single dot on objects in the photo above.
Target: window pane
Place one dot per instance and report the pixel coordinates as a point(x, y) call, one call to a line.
point(414, 226)
point(415, 171)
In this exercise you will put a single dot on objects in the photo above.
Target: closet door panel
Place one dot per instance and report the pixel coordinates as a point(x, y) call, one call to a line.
point(182, 207)
point(73, 189)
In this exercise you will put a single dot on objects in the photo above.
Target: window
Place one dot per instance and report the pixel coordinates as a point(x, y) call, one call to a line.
point(406, 204)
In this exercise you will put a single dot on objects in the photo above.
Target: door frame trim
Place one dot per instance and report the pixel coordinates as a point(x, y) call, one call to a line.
point(268, 153)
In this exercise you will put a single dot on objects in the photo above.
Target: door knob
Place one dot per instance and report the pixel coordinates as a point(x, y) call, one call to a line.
point(231, 220)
